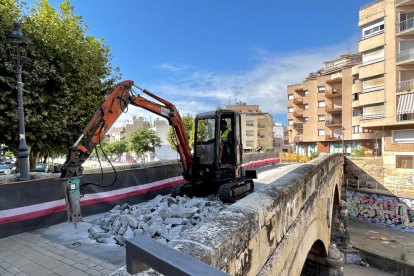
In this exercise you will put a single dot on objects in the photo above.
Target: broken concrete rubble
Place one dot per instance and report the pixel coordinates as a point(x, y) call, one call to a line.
point(163, 218)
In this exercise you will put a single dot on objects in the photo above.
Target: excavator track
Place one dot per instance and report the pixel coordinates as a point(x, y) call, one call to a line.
point(230, 192)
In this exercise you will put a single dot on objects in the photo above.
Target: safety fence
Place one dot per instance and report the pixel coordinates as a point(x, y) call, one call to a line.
point(293, 157)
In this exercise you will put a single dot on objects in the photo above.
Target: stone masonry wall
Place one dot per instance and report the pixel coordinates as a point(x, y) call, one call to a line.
point(298, 204)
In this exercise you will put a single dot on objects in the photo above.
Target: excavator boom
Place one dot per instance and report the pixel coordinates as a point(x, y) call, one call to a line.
point(115, 103)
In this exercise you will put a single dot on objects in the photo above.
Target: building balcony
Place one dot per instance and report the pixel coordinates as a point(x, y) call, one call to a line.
point(261, 126)
point(403, 3)
point(298, 101)
point(405, 86)
point(297, 125)
point(299, 90)
point(297, 114)
point(371, 70)
point(261, 136)
point(405, 57)
point(334, 137)
point(355, 103)
point(333, 109)
point(405, 27)
point(298, 138)
point(333, 94)
point(369, 44)
point(333, 123)
point(373, 97)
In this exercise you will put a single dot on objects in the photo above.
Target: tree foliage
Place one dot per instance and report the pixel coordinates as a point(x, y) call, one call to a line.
point(66, 75)
point(188, 122)
point(116, 148)
point(144, 140)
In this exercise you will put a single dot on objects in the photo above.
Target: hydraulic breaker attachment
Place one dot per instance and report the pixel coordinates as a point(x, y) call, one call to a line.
point(71, 188)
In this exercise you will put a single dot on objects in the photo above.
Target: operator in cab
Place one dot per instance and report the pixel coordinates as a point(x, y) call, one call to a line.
point(225, 142)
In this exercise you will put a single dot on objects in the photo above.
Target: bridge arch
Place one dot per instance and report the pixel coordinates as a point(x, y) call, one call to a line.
point(314, 245)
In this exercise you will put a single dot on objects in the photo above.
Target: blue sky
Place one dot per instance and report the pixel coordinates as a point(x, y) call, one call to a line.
point(201, 54)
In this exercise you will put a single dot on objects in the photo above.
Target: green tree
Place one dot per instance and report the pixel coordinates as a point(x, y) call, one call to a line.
point(66, 75)
point(144, 140)
point(188, 122)
point(116, 148)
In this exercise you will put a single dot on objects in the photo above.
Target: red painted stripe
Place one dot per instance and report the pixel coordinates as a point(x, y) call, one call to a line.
point(33, 215)
point(261, 162)
point(129, 194)
point(60, 208)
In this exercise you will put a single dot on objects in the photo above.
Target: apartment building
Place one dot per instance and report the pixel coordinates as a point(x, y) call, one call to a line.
point(321, 114)
point(257, 127)
point(386, 100)
point(280, 138)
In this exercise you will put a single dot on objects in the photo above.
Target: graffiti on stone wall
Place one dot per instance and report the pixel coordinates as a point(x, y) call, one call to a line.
point(391, 211)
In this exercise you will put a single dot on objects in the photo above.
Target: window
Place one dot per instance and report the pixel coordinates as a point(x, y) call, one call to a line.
point(321, 89)
point(373, 84)
point(373, 56)
point(249, 122)
point(290, 97)
point(249, 143)
point(373, 29)
point(321, 118)
point(404, 162)
point(306, 92)
point(250, 133)
point(403, 136)
point(306, 119)
point(321, 132)
point(321, 103)
point(290, 109)
point(306, 106)
point(356, 112)
point(291, 122)
point(373, 111)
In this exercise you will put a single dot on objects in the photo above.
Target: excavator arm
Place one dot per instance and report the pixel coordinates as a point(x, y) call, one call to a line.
point(115, 103)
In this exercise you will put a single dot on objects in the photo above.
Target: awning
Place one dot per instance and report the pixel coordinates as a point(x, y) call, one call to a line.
point(405, 104)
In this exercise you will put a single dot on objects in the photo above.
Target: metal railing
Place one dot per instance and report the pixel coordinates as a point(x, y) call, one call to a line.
point(406, 55)
point(333, 122)
point(405, 86)
point(402, 1)
point(143, 251)
point(370, 4)
point(332, 137)
point(405, 25)
point(332, 108)
point(335, 93)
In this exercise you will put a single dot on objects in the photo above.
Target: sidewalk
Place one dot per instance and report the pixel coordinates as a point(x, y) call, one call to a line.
point(384, 248)
point(30, 254)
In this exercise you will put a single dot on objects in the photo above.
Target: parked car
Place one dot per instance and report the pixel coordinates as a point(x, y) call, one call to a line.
point(40, 167)
point(6, 169)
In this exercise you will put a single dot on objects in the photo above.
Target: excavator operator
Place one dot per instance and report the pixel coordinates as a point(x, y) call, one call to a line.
point(225, 142)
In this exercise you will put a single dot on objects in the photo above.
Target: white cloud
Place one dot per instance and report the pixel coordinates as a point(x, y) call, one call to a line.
point(195, 91)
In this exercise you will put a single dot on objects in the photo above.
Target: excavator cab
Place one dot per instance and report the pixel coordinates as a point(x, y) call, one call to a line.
point(217, 158)
point(217, 145)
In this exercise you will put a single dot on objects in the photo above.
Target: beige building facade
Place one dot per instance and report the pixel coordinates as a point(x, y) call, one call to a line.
point(256, 126)
point(387, 77)
point(321, 117)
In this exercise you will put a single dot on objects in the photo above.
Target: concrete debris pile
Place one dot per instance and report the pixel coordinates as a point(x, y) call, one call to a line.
point(162, 218)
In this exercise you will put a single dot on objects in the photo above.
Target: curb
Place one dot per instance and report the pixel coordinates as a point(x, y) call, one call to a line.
point(387, 264)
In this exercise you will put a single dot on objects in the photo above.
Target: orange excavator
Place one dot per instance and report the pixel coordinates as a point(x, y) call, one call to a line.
point(214, 167)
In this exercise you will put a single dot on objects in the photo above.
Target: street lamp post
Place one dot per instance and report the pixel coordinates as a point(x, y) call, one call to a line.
point(19, 44)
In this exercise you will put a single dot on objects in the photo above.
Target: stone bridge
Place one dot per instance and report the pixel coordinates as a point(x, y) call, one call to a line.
point(276, 230)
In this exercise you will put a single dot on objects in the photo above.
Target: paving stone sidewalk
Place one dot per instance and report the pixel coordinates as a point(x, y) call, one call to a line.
point(30, 254)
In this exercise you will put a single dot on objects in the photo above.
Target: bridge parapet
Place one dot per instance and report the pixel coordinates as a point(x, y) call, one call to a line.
point(270, 232)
